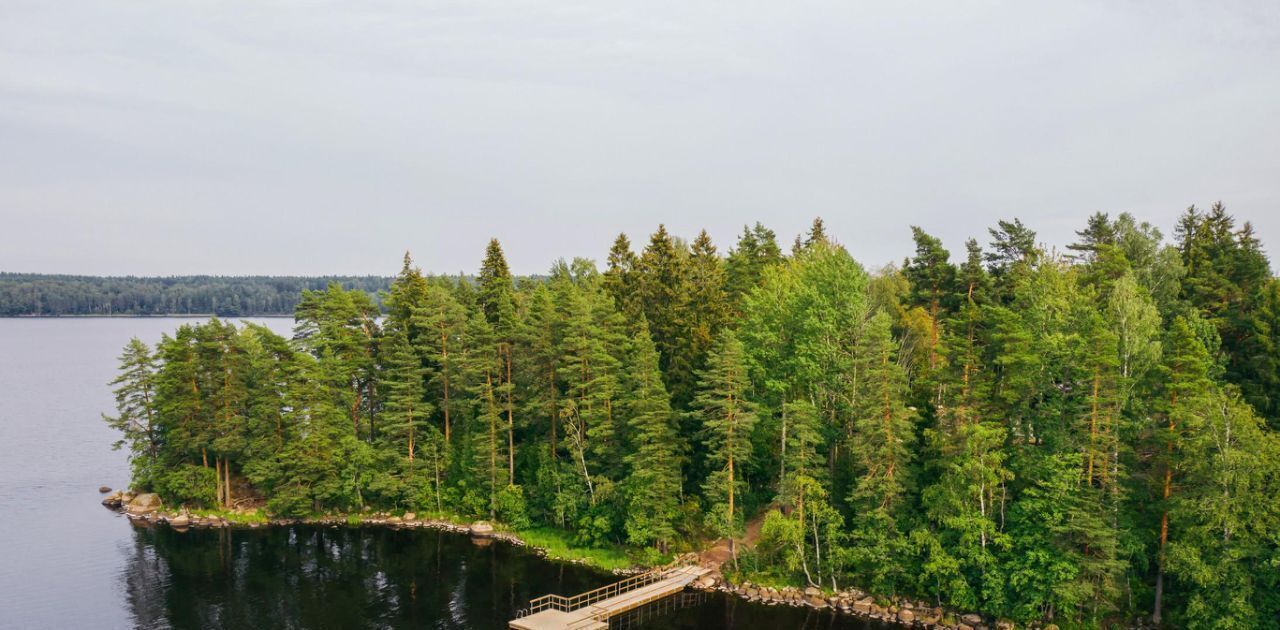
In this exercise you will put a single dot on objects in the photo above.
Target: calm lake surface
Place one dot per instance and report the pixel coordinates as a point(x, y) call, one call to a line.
point(67, 562)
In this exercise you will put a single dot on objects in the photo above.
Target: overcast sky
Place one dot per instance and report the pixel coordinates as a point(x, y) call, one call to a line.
point(267, 137)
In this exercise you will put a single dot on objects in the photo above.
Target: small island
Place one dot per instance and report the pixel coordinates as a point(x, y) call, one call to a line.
point(1022, 437)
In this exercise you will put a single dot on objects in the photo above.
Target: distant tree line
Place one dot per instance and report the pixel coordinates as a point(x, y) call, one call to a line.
point(1079, 439)
point(44, 295)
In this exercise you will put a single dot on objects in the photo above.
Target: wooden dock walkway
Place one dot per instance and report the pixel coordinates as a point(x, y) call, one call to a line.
point(591, 610)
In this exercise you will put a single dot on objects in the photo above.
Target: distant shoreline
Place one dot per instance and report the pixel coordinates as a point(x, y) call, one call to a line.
point(150, 316)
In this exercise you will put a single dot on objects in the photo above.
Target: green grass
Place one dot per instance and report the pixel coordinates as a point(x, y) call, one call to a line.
point(767, 579)
point(558, 546)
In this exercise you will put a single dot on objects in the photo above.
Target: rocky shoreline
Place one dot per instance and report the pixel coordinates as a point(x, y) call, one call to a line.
point(147, 508)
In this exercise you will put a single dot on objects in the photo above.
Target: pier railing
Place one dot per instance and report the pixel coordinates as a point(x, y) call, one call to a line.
point(589, 598)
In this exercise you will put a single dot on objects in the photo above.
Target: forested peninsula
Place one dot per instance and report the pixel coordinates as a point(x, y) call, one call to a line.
point(49, 295)
point(1080, 438)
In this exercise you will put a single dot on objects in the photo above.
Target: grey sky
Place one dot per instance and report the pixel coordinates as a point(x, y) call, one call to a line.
point(328, 137)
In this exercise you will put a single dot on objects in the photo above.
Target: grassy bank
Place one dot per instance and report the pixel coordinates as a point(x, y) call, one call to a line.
point(558, 546)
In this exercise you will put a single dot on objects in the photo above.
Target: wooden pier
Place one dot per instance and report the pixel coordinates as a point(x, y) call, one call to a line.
point(591, 610)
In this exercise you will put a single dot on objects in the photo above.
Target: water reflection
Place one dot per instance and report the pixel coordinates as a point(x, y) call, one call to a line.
point(339, 577)
point(313, 577)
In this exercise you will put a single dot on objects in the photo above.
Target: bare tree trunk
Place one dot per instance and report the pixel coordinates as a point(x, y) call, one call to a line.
point(226, 470)
point(217, 471)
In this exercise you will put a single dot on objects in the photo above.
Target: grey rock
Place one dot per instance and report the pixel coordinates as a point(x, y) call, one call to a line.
point(144, 503)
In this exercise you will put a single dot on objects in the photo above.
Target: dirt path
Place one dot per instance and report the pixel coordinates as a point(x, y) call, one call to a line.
point(718, 554)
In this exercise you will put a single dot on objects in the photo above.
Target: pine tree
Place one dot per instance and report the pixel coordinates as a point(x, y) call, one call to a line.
point(442, 321)
point(405, 408)
point(728, 418)
point(340, 327)
point(482, 371)
point(540, 338)
point(881, 448)
point(1098, 234)
point(1185, 404)
point(964, 504)
point(588, 372)
point(931, 277)
point(136, 408)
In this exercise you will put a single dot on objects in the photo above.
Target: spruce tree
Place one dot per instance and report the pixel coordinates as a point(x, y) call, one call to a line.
point(621, 276)
point(661, 283)
point(756, 250)
point(653, 485)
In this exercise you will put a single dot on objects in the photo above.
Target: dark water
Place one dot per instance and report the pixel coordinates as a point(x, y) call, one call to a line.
point(66, 562)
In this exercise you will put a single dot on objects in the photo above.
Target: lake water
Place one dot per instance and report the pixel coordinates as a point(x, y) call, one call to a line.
point(67, 562)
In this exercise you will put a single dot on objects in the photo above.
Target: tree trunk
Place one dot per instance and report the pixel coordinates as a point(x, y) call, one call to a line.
point(217, 470)
point(782, 459)
point(1156, 613)
point(226, 470)
point(511, 425)
point(493, 447)
point(444, 371)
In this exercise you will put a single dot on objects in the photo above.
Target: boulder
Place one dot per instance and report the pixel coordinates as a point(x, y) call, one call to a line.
point(410, 516)
point(394, 520)
point(906, 616)
point(114, 499)
point(481, 529)
point(144, 503)
point(180, 521)
point(1004, 624)
point(104, 489)
point(971, 619)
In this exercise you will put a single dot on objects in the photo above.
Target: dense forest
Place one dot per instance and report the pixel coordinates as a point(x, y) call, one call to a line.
point(1082, 438)
point(44, 295)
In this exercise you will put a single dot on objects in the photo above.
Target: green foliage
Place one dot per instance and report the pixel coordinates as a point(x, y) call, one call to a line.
point(511, 507)
point(185, 484)
point(1053, 440)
